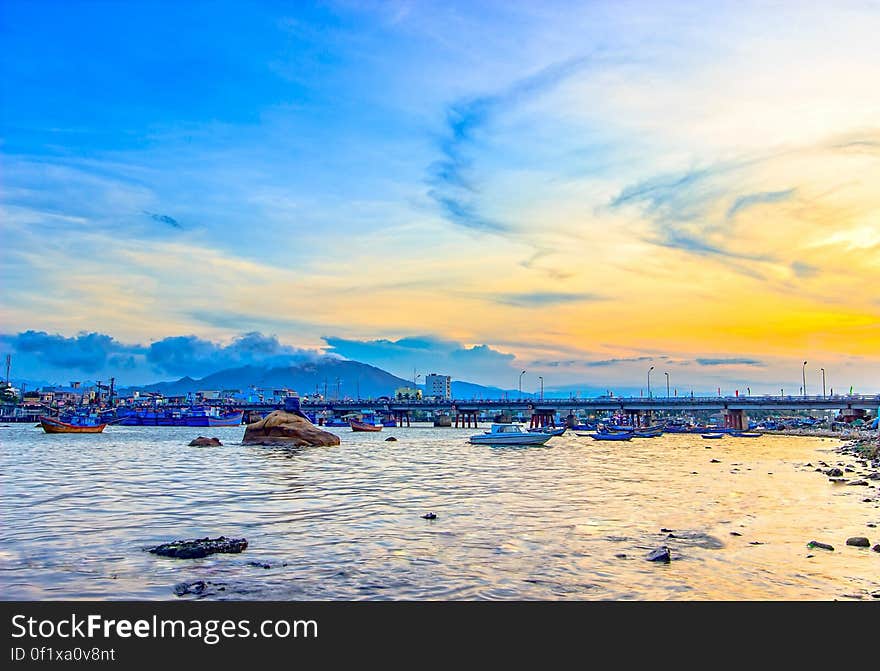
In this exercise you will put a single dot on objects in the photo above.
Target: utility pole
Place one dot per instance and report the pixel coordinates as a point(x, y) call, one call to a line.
point(520, 384)
point(337, 388)
point(804, 375)
point(823, 382)
point(541, 378)
point(8, 364)
point(112, 387)
point(649, 381)
point(667, 384)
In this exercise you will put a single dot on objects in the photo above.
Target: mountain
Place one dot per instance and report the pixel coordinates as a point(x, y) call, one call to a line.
point(354, 379)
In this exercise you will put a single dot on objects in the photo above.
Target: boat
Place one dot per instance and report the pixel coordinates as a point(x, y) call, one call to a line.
point(712, 436)
point(612, 435)
point(583, 427)
point(211, 416)
point(510, 434)
point(77, 425)
point(363, 426)
point(551, 430)
point(647, 433)
point(746, 434)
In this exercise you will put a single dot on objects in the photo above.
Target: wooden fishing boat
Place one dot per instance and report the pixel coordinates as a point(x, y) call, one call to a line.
point(711, 436)
point(615, 435)
point(51, 425)
point(363, 426)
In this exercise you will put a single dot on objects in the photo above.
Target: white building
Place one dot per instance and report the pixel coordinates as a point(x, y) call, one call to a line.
point(438, 386)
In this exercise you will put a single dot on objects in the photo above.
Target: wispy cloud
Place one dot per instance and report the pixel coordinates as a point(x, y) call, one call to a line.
point(164, 219)
point(732, 361)
point(544, 298)
point(743, 202)
point(453, 185)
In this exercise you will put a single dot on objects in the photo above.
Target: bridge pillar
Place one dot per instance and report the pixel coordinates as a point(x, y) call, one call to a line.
point(735, 419)
point(466, 419)
point(542, 417)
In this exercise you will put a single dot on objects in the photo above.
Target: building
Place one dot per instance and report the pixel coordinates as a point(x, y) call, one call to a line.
point(408, 394)
point(438, 386)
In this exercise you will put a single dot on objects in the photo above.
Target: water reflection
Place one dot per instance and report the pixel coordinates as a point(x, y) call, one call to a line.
point(570, 520)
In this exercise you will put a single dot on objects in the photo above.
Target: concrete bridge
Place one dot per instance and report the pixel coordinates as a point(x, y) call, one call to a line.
point(637, 410)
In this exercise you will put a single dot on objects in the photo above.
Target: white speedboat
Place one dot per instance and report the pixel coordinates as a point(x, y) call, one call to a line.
point(509, 434)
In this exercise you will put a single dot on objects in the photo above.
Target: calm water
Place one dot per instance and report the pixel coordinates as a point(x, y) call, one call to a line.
point(534, 523)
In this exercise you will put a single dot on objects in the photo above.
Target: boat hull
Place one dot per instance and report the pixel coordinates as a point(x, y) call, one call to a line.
point(361, 426)
point(56, 426)
point(611, 436)
point(513, 439)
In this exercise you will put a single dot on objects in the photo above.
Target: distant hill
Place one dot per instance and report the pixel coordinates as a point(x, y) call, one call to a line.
point(354, 377)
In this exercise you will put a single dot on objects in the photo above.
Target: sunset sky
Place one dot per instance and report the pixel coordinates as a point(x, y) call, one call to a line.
point(580, 190)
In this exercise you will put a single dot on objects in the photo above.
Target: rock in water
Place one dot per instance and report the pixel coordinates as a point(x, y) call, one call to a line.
point(859, 542)
point(390, 439)
point(430, 516)
point(201, 441)
point(287, 429)
point(834, 472)
point(821, 546)
point(660, 554)
point(200, 547)
point(876, 548)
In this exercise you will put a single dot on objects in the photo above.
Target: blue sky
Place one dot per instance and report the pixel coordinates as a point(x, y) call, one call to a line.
point(546, 186)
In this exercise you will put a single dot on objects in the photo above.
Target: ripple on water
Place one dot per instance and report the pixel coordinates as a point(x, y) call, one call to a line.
point(345, 522)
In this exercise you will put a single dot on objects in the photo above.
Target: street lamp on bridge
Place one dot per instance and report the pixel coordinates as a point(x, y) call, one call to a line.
point(823, 382)
point(520, 383)
point(667, 383)
point(649, 381)
point(804, 375)
point(541, 378)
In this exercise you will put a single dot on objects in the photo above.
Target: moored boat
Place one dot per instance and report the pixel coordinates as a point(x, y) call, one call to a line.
point(52, 425)
point(711, 436)
point(613, 435)
point(363, 426)
point(510, 434)
point(550, 430)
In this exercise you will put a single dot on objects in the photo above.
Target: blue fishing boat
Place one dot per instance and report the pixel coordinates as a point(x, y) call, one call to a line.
point(614, 435)
point(212, 416)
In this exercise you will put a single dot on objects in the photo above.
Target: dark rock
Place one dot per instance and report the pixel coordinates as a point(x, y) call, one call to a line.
point(430, 516)
point(194, 587)
point(873, 476)
point(821, 546)
point(858, 483)
point(620, 555)
point(714, 461)
point(391, 439)
point(259, 564)
point(664, 530)
point(876, 548)
point(871, 525)
point(834, 472)
point(671, 536)
point(287, 429)
point(867, 500)
point(810, 556)
point(858, 541)
point(200, 547)
point(756, 543)
point(808, 464)
point(660, 554)
point(201, 441)
point(735, 533)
